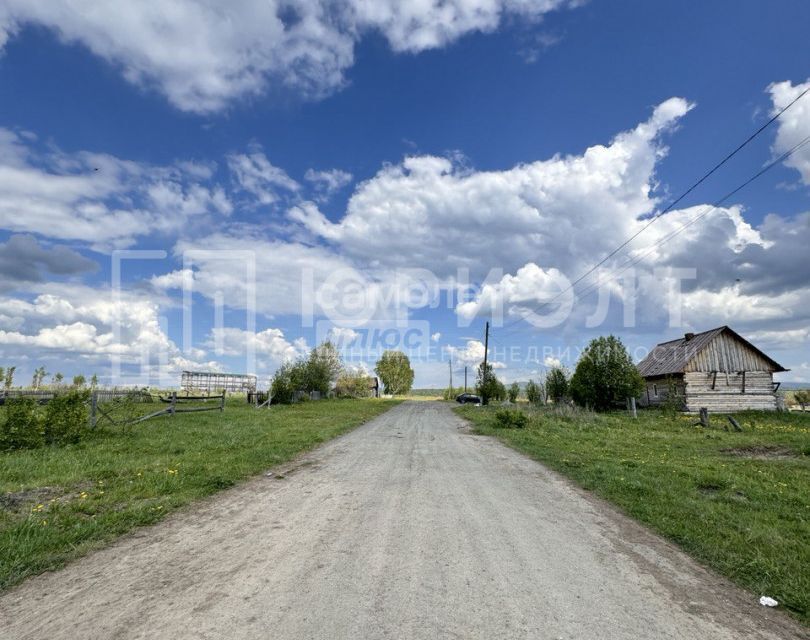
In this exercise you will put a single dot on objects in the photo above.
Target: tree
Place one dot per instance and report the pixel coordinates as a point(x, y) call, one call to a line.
point(93, 381)
point(394, 369)
point(513, 392)
point(557, 384)
point(39, 376)
point(57, 378)
point(536, 392)
point(79, 381)
point(487, 385)
point(532, 392)
point(8, 378)
point(322, 368)
point(605, 375)
point(802, 396)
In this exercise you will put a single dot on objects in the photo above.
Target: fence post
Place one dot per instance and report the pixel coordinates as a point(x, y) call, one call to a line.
point(173, 406)
point(93, 405)
point(222, 402)
point(633, 407)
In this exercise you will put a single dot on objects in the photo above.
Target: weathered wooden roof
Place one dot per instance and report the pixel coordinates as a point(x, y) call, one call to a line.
point(673, 357)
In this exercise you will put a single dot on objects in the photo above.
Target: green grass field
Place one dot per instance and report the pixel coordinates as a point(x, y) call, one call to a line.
point(57, 503)
point(738, 502)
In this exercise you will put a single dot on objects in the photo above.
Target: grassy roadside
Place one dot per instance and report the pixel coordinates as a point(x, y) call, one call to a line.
point(57, 503)
point(738, 502)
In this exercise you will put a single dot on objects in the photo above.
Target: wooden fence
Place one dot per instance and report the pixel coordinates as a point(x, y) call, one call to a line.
point(174, 401)
point(43, 396)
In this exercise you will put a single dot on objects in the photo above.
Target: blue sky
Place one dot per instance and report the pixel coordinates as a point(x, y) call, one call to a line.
point(287, 133)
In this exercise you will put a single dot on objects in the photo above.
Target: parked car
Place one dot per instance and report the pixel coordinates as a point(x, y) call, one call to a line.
point(468, 398)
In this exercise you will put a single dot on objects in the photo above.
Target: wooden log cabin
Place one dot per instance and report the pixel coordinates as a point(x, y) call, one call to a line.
point(716, 369)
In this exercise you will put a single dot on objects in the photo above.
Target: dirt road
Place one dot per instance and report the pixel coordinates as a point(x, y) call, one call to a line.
point(409, 527)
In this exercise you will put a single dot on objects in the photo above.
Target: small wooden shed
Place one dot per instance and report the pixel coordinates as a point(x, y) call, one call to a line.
point(716, 369)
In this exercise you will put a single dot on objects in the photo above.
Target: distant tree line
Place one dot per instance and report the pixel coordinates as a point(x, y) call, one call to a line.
point(37, 381)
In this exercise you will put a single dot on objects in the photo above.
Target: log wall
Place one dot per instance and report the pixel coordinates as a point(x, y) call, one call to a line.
point(731, 392)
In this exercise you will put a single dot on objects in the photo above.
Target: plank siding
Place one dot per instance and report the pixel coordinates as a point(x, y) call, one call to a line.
point(725, 353)
point(657, 392)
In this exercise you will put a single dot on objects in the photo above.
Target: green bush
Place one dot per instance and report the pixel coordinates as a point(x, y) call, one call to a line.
point(315, 372)
point(66, 417)
point(22, 428)
point(605, 375)
point(353, 384)
point(290, 377)
point(511, 419)
point(450, 393)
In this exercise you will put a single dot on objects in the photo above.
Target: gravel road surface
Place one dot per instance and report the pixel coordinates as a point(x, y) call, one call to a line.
point(409, 527)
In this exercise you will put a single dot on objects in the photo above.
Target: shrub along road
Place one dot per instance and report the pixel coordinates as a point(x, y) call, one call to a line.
point(408, 527)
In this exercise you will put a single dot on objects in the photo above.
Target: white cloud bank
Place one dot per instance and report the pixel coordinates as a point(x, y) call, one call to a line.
point(80, 324)
point(559, 214)
point(96, 197)
point(427, 212)
point(204, 54)
point(269, 345)
point(794, 125)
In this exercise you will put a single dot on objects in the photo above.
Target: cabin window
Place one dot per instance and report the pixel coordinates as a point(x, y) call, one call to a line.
point(655, 390)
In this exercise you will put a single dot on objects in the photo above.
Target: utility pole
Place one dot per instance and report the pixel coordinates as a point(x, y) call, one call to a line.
point(485, 377)
point(465, 378)
point(450, 364)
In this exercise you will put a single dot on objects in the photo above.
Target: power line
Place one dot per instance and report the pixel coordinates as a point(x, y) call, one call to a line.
point(630, 261)
point(672, 204)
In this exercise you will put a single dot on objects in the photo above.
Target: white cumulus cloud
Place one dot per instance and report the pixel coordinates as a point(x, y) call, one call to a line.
point(429, 210)
point(204, 54)
point(794, 125)
point(96, 197)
